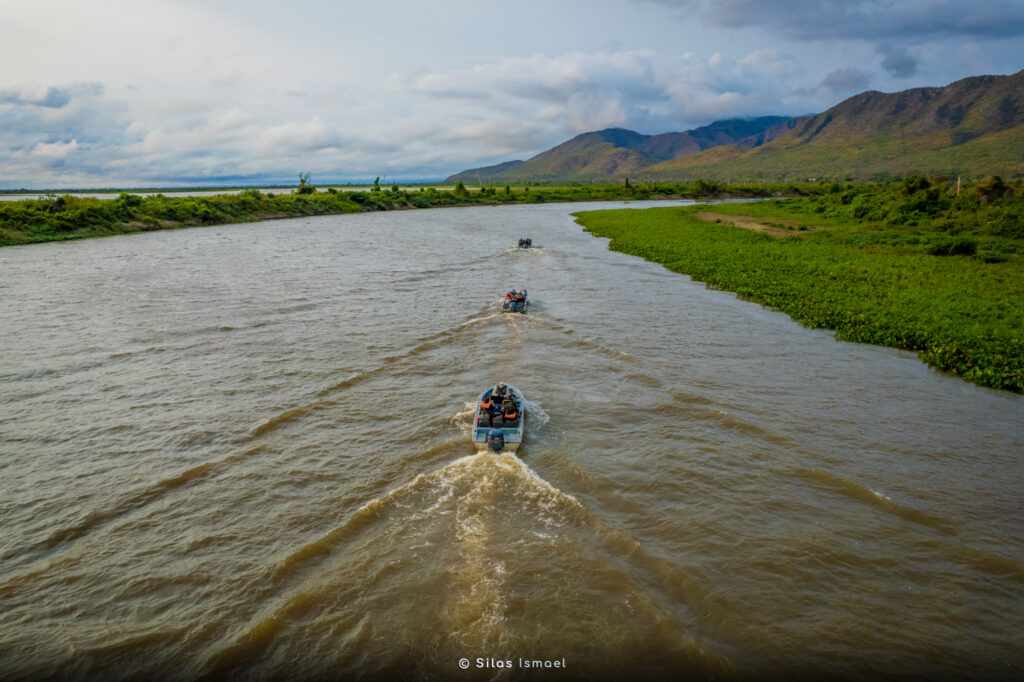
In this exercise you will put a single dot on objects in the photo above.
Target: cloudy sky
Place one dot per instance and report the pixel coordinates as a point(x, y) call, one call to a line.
point(191, 92)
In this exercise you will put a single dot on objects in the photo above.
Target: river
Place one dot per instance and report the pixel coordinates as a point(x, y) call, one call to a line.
point(243, 452)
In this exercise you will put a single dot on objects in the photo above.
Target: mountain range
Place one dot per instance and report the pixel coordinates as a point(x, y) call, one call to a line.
point(972, 127)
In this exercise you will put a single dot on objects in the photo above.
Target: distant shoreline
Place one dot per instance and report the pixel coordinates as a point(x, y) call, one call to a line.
point(67, 217)
point(114, 192)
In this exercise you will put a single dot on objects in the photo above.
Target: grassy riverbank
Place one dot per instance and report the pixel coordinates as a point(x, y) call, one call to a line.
point(68, 217)
point(910, 265)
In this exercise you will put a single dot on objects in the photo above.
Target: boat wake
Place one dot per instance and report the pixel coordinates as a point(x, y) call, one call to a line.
point(485, 550)
point(446, 533)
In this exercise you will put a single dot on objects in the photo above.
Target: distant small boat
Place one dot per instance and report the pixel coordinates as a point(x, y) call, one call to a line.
point(526, 243)
point(493, 433)
point(515, 302)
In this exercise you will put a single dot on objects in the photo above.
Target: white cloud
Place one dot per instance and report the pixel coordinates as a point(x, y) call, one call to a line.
point(638, 89)
point(54, 150)
point(312, 135)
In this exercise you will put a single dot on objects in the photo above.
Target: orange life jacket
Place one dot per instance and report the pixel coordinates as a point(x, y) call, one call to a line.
point(511, 414)
point(486, 404)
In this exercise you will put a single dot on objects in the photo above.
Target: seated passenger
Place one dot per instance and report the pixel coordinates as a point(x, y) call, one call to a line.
point(486, 411)
point(510, 412)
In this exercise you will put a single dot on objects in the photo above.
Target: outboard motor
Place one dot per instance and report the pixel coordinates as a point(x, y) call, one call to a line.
point(496, 440)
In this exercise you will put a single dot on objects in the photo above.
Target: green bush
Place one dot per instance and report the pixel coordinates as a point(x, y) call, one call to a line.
point(954, 247)
point(991, 256)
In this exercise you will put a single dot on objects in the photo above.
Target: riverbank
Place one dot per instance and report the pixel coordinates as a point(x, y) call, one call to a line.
point(63, 217)
point(912, 267)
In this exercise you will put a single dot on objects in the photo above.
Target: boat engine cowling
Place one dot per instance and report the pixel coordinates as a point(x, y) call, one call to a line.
point(496, 440)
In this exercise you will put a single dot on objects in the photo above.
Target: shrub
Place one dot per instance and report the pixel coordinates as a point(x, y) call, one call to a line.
point(964, 246)
point(991, 257)
point(914, 184)
point(1008, 222)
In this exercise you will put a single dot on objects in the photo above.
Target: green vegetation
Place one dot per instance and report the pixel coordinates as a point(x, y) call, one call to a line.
point(908, 264)
point(304, 186)
point(68, 217)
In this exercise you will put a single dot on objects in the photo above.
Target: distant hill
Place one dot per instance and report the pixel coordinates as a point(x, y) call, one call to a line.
point(973, 127)
point(615, 152)
point(488, 172)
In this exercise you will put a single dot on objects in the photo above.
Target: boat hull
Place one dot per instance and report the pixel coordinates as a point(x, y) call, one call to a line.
point(513, 435)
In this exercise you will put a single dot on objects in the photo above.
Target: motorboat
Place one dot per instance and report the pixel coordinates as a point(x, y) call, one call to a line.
point(515, 302)
point(492, 432)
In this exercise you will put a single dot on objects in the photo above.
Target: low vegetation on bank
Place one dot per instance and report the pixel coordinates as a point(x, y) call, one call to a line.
point(60, 217)
point(922, 264)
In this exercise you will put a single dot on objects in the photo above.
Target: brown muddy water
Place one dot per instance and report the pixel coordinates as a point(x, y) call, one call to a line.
point(243, 452)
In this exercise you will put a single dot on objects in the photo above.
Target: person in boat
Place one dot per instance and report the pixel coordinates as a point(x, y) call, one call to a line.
point(511, 295)
point(519, 296)
point(487, 409)
point(510, 412)
point(500, 392)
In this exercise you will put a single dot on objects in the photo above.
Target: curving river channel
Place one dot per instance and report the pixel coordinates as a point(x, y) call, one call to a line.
point(242, 452)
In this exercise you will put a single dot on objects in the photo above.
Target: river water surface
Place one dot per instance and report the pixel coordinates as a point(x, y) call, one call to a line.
point(242, 452)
